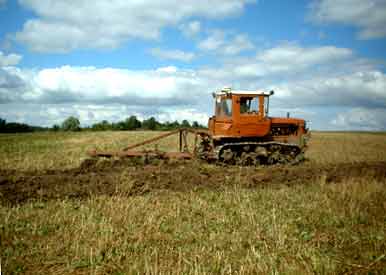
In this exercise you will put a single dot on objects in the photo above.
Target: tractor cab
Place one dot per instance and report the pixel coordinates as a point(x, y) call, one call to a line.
point(240, 114)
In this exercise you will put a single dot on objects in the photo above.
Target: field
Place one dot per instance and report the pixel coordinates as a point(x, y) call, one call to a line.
point(62, 214)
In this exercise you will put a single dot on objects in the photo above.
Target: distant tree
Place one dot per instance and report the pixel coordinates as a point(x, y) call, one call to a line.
point(120, 125)
point(150, 124)
point(195, 124)
point(185, 124)
point(55, 128)
point(3, 123)
point(167, 126)
point(133, 123)
point(15, 127)
point(104, 125)
point(175, 124)
point(71, 124)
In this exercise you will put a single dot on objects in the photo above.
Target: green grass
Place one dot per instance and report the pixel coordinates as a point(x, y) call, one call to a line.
point(315, 227)
point(67, 150)
point(303, 229)
point(61, 150)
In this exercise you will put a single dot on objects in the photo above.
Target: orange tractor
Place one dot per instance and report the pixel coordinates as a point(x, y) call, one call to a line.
point(240, 132)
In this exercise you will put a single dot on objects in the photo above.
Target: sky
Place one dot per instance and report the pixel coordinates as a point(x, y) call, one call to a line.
point(108, 60)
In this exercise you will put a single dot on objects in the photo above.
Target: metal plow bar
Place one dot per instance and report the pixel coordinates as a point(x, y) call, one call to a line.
point(183, 152)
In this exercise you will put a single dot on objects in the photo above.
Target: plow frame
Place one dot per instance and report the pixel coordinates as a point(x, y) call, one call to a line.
point(182, 153)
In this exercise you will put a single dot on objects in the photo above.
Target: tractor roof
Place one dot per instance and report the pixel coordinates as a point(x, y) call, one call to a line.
point(229, 91)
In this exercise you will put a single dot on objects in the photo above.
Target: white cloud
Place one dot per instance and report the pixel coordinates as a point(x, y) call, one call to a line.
point(361, 119)
point(50, 114)
point(368, 16)
point(168, 69)
point(225, 43)
point(172, 54)
point(165, 86)
point(306, 80)
point(191, 29)
point(289, 60)
point(9, 60)
point(169, 86)
point(179, 114)
point(87, 113)
point(239, 43)
point(88, 83)
point(292, 58)
point(213, 41)
point(62, 26)
point(307, 76)
point(359, 89)
point(303, 57)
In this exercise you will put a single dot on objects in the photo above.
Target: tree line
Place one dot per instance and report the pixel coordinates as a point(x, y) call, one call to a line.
point(16, 127)
point(73, 124)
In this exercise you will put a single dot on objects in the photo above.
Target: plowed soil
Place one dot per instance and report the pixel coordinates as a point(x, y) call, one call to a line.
point(123, 178)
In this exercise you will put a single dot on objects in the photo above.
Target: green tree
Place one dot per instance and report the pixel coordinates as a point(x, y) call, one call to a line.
point(175, 124)
point(168, 126)
point(195, 124)
point(71, 124)
point(185, 124)
point(120, 125)
point(104, 125)
point(133, 123)
point(3, 123)
point(15, 127)
point(55, 128)
point(150, 124)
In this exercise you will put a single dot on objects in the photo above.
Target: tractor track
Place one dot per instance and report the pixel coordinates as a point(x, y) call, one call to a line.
point(123, 178)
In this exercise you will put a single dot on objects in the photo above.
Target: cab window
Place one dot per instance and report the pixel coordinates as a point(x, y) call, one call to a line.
point(223, 107)
point(249, 105)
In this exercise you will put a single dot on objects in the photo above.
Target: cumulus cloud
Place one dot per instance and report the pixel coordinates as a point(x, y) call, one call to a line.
point(50, 114)
point(179, 114)
point(361, 119)
point(368, 16)
point(191, 29)
point(13, 84)
point(213, 41)
point(165, 86)
point(238, 44)
point(303, 56)
point(292, 59)
point(289, 60)
point(170, 86)
point(225, 43)
point(172, 54)
point(62, 26)
point(309, 77)
point(360, 89)
point(9, 60)
point(305, 79)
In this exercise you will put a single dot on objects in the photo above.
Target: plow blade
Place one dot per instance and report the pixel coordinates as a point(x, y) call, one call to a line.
point(139, 154)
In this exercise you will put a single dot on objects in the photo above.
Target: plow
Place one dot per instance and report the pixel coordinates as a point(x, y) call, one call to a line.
point(182, 153)
point(241, 132)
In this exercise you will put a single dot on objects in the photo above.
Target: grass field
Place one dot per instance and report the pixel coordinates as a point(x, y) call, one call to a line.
point(324, 216)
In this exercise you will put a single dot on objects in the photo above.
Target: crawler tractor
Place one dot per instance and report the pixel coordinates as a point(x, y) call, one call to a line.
point(241, 132)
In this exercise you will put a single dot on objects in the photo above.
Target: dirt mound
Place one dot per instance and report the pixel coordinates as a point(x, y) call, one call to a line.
point(127, 178)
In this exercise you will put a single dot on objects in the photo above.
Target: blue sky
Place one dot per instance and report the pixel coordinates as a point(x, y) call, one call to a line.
point(111, 59)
